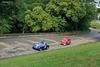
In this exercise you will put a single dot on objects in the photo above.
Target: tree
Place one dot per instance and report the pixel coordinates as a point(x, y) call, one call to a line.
point(40, 20)
point(45, 15)
point(13, 12)
point(76, 13)
point(4, 26)
point(23, 6)
point(8, 10)
point(91, 13)
point(59, 24)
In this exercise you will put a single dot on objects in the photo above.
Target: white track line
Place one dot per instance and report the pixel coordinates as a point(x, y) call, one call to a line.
point(47, 39)
point(32, 41)
point(21, 43)
point(55, 42)
point(6, 45)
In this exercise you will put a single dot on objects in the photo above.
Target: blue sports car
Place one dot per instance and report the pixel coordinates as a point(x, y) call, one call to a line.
point(40, 46)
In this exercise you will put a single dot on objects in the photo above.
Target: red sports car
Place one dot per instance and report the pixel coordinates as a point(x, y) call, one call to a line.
point(65, 41)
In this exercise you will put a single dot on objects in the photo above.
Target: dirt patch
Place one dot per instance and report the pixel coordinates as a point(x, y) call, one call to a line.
point(2, 47)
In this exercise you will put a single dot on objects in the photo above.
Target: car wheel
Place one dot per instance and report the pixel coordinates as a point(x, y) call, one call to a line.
point(40, 49)
point(69, 43)
point(64, 44)
point(47, 48)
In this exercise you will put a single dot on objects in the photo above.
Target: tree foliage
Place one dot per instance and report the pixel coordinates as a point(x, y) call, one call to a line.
point(4, 26)
point(8, 10)
point(91, 13)
point(75, 12)
point(45, 15)
point(23, 6)
point(40, 20)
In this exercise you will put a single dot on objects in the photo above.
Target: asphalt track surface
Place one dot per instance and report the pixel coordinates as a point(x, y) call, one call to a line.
point(22, 45)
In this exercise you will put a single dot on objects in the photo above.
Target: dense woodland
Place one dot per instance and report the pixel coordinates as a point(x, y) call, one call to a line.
point(29, 16)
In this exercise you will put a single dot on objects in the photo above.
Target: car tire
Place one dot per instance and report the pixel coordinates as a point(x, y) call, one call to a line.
point(69, 43)
point(40, 49)
point(47, 48)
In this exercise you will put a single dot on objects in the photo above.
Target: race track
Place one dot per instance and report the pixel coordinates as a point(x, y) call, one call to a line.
point(20, 45)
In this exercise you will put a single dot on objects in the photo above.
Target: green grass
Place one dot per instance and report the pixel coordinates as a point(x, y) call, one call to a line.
point(95, 24)
point(87, 55)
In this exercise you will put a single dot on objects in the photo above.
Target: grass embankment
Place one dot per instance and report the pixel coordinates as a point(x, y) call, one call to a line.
point(87, 55)
point(95, 24)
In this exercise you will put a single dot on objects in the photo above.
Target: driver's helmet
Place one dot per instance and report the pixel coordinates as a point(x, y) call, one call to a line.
point(44, 43)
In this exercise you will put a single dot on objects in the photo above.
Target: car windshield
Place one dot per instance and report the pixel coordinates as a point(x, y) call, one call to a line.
point(39, 44)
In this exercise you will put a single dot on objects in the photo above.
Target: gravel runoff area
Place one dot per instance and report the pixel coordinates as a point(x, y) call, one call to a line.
point(15, 46)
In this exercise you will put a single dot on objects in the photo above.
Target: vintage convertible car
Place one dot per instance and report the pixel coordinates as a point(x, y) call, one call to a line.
point(40, 46)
